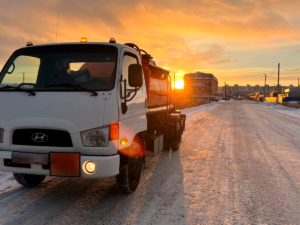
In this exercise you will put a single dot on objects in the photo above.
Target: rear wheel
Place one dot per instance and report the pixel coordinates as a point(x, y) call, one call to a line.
point(129, 177)
point(175, 144)
point(28, 180)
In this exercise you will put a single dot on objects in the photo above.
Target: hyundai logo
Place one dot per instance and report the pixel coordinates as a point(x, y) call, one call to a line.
point(39, 137)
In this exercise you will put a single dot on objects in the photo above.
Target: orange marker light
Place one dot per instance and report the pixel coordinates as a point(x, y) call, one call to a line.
point(114, 132)
point(124, 141)
point(83, 39)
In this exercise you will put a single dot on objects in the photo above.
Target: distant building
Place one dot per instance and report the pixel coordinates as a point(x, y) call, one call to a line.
point(294, 92)
point(201, 84)
point(237, 90)
point(248, 88)
point(235, 87)
point(256, 88)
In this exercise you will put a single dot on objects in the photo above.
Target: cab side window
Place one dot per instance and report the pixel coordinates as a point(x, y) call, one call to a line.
point(128, 59)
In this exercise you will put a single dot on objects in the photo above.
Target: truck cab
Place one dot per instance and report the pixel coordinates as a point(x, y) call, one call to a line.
point(82, 110)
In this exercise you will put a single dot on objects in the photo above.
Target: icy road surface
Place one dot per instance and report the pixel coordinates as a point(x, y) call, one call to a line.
point(239, 163)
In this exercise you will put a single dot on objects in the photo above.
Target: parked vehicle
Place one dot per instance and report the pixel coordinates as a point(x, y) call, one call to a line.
point(90, 110)
point(238, 98)
point(254, 96)
point(261, 98)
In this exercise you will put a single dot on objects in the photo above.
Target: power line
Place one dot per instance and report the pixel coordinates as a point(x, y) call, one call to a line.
point(273, 71)
point(290, 69)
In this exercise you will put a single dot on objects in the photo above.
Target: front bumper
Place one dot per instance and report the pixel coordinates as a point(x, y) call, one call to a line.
point(106, 166)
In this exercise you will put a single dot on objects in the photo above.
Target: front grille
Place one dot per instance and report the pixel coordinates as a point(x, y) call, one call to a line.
point(42, 137)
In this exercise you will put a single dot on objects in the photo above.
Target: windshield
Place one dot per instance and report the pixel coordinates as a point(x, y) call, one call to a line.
point(41, 68)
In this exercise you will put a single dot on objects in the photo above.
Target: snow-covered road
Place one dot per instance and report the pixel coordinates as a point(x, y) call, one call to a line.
point(239, 163)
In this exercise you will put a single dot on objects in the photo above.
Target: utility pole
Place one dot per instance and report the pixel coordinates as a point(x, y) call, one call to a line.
point(265, 87)
point(208, 91)
point(225, 91)
point(278, 83)
point(174, 81)
point(174, 87)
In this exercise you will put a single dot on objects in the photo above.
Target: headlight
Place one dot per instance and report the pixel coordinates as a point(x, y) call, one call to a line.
point(1, 135)
point(98, 137)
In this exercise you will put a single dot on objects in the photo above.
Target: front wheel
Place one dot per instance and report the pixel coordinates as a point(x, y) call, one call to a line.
point(28, 180)
point(129, 177)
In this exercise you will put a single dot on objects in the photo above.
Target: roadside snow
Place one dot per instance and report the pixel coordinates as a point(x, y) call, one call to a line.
point(193, 110)
point(281, 108)
point(231, 100)
point(7, 182)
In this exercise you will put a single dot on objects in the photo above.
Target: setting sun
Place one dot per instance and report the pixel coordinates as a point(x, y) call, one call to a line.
point(179, 84)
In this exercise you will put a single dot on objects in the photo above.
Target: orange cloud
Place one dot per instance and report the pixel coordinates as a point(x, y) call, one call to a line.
point(183, 36)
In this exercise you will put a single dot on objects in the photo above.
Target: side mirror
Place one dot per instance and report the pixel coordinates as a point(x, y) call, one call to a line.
point(11, 68)
point(135, 75)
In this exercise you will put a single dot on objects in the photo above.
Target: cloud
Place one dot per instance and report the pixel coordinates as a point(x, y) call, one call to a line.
point(182, 58)
point(163, 28)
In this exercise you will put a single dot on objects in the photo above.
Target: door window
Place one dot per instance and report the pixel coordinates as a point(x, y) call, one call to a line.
point(128, 59)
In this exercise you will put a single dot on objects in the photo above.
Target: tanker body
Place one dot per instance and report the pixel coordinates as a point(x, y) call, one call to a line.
point(160, 110)
point(90, 110)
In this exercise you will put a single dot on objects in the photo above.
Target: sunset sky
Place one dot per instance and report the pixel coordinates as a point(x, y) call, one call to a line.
point(235, 40)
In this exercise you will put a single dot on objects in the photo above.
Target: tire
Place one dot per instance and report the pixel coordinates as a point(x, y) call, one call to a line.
point(129, 177)
point(175, 144)
point(28, 180)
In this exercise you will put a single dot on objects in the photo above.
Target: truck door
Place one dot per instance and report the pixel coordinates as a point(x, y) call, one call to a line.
point(134, 120)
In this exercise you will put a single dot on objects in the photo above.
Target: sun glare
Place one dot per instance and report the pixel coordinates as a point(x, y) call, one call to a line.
point(179, 84)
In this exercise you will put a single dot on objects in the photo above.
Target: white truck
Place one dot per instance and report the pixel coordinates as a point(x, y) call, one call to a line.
point(89, 110)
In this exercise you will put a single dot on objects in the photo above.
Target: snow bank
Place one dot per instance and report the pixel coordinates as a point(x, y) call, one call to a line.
point(193, 110)
point(281, 108)
point(231, 100)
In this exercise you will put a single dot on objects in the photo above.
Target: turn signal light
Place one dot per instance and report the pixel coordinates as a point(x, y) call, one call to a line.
point(114, 132)
point(124, 141)
point(83, 39)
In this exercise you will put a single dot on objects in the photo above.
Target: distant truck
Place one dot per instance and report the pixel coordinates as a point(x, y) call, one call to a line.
point(254, 96)
point(260, 98)
point(90, 110)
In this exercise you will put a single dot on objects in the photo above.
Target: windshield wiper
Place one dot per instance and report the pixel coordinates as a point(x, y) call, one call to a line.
point(19, 89)
point(76, 86)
